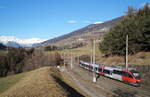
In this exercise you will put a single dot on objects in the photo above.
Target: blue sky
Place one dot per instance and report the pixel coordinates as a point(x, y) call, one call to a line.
point(51, 18)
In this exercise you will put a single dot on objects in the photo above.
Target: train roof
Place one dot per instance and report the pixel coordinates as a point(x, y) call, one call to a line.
point(118, 67)
point(93, 64)
point(122, 68)
point(109, 67)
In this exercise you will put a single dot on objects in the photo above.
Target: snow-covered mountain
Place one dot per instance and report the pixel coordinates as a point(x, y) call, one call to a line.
point(13, 44)
point(22, 42)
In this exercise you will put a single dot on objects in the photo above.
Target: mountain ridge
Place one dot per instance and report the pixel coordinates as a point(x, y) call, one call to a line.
point(87, 29)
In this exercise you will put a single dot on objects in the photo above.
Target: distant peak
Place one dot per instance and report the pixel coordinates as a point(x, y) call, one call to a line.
point(98, 22)
point(30, 41)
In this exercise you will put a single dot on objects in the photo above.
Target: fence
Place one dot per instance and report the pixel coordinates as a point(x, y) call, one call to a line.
point(142, 68)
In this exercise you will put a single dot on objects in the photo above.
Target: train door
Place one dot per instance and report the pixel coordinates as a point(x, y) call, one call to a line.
point(91, 67)
point(96, 69)
point(117, 75)
point(107, 73)
point(101, 69)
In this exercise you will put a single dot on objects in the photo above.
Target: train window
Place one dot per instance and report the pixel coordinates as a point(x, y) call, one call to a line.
point(106, 71)
point(117, 72)
point(114, 71)
point(100, 69)
point(136, 74)
point(90, 67)
point(95, 69)
point(128, 75)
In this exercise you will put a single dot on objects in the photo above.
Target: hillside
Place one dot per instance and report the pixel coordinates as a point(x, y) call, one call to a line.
point(48, 81)
point(84, 33)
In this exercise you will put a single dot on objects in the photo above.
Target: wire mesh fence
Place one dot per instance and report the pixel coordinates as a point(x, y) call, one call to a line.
point(142, 68)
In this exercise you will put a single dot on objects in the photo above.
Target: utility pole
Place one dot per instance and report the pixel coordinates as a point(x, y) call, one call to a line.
point(94, 51)
point(71, 64)
point(94, 77)
point(64, 64)
point(126, 51)
point(93, 56)
point(78, 58)
point(91, 52)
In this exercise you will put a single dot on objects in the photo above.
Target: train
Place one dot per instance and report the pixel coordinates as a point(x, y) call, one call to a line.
point(130, 76)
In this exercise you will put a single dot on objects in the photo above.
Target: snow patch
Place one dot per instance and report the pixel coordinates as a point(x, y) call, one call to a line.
point(30, 41)
point(98, 22)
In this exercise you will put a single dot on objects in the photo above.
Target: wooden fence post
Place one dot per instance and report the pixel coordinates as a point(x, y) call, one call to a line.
point(148, 68)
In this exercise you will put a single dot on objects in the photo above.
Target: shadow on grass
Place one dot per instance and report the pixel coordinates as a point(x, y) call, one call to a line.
point(122, 93)
point(72, 92)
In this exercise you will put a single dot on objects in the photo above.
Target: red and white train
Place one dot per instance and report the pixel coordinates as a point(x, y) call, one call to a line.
point(130, 76)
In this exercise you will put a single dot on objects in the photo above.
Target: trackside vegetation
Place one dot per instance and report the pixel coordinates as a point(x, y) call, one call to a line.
point(13, 60)
point(135, 24)
point(9, 81)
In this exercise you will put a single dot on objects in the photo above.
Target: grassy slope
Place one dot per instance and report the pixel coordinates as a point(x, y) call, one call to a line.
point(2, 52)
point(7, 82)
point(38, 83)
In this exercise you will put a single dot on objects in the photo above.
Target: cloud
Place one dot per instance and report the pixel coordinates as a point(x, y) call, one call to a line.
point(72, 21)
point(85, 21)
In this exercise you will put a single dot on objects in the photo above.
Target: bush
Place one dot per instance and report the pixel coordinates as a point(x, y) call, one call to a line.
point(4, 66)
point(14, 60)
point(50, 48)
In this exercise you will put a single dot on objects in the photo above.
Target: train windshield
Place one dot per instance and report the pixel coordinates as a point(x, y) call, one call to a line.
point(136, 74)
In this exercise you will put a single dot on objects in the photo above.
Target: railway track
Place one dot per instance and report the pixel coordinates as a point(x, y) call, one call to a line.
point(112, 85)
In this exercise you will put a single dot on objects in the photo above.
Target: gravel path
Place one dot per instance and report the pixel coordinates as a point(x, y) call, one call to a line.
point(91, 92)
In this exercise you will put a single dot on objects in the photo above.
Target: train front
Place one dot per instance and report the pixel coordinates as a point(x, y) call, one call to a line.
point(137, 77)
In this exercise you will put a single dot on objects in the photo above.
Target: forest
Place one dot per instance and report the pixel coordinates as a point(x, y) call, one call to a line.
point(135, 24)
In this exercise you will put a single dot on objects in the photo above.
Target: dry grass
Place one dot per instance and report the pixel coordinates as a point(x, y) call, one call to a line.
point(141, 58)
point(9, 81)
point(2, 52)
point(37, 84)
point(43, 82)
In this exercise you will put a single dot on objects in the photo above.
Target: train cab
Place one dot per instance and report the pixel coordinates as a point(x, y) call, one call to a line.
point(131, 76)
point(136, 75)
